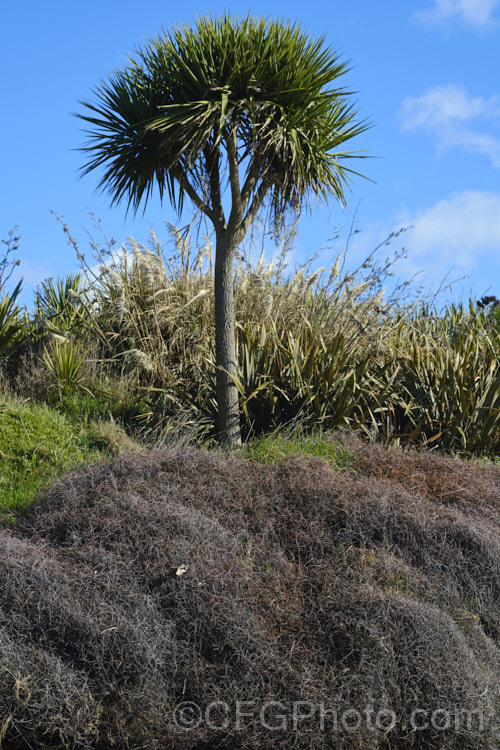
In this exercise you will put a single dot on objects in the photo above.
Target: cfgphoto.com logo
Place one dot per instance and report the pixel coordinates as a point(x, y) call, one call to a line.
point(276, 716)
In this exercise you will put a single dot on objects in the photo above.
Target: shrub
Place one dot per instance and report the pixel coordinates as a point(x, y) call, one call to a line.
point(174, 576)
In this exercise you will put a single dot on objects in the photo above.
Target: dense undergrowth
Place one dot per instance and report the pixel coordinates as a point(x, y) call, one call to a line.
point(151, 601)
point(326, 348)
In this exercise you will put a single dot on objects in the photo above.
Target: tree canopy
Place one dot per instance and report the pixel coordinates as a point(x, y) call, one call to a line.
point(260, 93)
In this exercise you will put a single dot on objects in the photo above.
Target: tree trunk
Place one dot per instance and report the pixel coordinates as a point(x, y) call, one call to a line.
point(228, 419)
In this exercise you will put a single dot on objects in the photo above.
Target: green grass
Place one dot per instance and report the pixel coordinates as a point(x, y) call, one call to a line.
point(37, 445)
point(40, 442)
point(83, 407)
point(280, 445)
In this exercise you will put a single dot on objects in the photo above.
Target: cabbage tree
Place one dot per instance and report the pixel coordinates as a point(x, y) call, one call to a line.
point(236, 116)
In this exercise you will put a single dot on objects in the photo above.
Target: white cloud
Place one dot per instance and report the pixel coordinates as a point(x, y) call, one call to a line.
point(442, 106)
point(476, 13)
point(447, 111)
point(461, 226)
point(455, 240)
point(459, 234)
point(476, 143)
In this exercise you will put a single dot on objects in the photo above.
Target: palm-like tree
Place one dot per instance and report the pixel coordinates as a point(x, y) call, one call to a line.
point(232, 114)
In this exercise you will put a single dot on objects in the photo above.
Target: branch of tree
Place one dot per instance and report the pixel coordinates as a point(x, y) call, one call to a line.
point(238, 207)
point(255, 205)
point(212, 167)
point(198, 202)
point(250, 181)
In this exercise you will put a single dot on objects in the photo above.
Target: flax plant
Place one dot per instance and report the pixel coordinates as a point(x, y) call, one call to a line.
point(59, 307)
point(66, 365)
point(448, 392)
point(11, 329)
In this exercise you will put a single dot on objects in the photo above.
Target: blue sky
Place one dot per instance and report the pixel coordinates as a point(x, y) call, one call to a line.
point(425, 74)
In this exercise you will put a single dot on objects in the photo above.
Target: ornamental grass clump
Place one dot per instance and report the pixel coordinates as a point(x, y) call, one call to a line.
point(148, 310)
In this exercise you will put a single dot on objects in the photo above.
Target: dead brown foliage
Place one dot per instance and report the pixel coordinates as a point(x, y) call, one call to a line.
point(372, 589)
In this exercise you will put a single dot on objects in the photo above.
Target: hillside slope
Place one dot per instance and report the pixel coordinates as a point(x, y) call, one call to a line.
point(179, 599)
